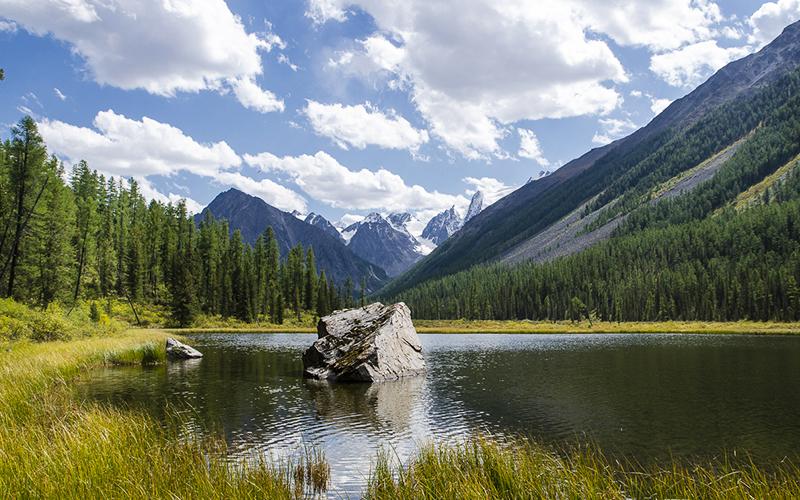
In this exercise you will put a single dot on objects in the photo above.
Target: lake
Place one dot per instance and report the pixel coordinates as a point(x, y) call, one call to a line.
point(646, 396)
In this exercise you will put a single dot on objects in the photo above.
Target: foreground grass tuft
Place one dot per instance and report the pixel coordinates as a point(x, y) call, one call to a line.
point(483, 468)
point(147, 354)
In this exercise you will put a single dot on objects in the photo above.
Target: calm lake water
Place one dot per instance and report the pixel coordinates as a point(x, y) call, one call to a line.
point(643, 396)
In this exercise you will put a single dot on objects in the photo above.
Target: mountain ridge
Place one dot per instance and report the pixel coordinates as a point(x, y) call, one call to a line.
point(537, 205)
point(252, 215)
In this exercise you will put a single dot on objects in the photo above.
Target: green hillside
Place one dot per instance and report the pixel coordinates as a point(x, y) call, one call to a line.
point(750, 100)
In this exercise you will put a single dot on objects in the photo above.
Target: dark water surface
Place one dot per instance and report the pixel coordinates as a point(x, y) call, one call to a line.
point(644, 396)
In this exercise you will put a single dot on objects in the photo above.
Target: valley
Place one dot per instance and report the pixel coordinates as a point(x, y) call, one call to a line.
point(582, 221)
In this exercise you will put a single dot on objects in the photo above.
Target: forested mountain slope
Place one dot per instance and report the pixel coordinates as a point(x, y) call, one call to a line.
point(623, 176)
point(735, 263)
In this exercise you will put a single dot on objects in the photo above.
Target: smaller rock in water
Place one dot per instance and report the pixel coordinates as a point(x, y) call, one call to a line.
point(179, 350)
point(369, 344)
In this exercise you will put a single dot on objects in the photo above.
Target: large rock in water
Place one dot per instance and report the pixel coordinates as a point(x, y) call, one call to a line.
point(369, 344)
point(179, 350)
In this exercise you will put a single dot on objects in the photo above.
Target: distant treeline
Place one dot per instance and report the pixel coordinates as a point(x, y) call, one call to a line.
point(92, 237)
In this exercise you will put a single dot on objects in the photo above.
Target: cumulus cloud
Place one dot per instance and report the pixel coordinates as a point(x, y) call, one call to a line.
point(126, 147)
point(658, 105)
point(123, 147)
point(254, 97)
point(612, 129)
point(769, 20)
point(474, 68)
point(657, 24)
point(151, 193)
point(266, 189)
point(362, 125)
point(8, 26)
point(492, 189)
point(530, 148)
point(161, 47)
point(692, 64)
point(325, 179)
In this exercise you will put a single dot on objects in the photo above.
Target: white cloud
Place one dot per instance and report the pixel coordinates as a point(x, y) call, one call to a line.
point(151, 193)
point(363, 125)
point(326, 180)
point(320, 11)
point(530, 148)
point(266, 189)
point(8, 26)
point(692, 64)
point(124, 147)
point(656, 24)
point(492, 189)
point(284, 59)
point(769, 20)
point(612, 129)
point(658, 105)
point(163, 47)
point(254, 97)
point(59, 94)
point(348, 219)
point(474, 68)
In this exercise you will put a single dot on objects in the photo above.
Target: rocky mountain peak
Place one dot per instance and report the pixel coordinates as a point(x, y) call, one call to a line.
point(442, 226)
point(475, 206)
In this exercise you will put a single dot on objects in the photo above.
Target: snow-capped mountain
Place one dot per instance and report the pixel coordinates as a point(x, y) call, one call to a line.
point(398, 220)
point(442, 226)
point(323, 223)
point(385, 242)
point(411, 225)
point(475, 206)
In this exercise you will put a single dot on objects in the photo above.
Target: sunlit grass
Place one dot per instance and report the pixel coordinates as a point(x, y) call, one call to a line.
point(483, 468)
point(52, 446)
point(147, 354)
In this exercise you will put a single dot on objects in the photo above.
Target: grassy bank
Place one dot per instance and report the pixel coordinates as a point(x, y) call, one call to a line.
point(483, 469)
point(484, 326)
point(533, 327)
point(52, 446)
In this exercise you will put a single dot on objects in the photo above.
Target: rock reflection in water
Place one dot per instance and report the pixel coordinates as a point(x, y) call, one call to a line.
point(383, 406)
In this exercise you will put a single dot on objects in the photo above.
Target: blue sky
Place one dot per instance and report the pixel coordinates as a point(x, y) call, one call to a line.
point(346, 107)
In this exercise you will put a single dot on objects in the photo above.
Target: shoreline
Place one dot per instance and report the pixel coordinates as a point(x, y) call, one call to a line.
point(66, 449)
point(530, 327)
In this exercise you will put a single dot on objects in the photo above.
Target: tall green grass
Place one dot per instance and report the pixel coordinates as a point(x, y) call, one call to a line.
point(147, 354)
point(481, 468)
point(52, 446)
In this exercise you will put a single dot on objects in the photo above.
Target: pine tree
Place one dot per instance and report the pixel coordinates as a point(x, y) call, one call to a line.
point(52, 233)
point(85, 188)
point(310, 281)
point(27, 180)
point(184, 304)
